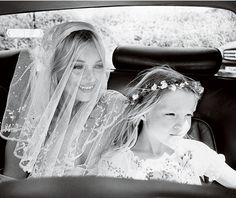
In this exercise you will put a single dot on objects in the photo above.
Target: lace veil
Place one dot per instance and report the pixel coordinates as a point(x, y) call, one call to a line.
point(54, 132)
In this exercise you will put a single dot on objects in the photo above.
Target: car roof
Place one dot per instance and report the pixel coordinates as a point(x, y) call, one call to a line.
point(11, 7)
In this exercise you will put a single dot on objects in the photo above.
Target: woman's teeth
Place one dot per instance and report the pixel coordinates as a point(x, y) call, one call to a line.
point(86, 87)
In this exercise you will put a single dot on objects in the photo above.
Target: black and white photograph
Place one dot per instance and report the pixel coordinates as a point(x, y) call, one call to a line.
point(126, 99)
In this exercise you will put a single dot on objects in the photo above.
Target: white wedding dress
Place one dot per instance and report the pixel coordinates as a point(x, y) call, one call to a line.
point(182, 168)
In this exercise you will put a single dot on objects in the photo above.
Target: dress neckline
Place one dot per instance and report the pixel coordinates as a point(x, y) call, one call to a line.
point(136, 157)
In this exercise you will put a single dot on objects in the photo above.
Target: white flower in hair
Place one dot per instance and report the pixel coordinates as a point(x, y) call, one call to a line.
point(198, 87)
point(154, 87)
point(181, 85)
point(135, 96)
point(163, 84)
point(201, 89)
point(172, 87)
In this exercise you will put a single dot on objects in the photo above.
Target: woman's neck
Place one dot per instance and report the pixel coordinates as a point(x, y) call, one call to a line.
point(150, 146)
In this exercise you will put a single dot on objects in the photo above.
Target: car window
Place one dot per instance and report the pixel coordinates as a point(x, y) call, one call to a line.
point(147, 26)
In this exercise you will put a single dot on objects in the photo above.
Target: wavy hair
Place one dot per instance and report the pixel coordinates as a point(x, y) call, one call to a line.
point(129, 127)
point(69, 49)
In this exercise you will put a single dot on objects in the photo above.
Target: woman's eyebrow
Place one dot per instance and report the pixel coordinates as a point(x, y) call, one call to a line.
point(81, 61)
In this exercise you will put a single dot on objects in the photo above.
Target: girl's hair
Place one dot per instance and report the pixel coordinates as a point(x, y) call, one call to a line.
point(147, 91)
point(69, 49)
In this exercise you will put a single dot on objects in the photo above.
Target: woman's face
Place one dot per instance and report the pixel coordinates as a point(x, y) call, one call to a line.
point(89, 68)
point(170, 119)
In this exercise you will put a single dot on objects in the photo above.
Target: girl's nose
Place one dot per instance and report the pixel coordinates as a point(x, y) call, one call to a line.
point(180, 122)
point(181, 127)
point(177, 129)
point(177, 126)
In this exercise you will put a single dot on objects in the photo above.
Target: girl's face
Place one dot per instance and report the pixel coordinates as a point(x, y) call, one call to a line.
point(170, 119)
point(89, 65)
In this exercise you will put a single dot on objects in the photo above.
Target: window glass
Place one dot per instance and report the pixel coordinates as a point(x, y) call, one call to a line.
point(147, 26)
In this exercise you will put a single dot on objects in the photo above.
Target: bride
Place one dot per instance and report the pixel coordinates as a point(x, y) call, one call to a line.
point(58, 106)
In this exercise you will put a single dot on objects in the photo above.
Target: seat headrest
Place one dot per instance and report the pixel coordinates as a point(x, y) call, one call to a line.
point(196, 61)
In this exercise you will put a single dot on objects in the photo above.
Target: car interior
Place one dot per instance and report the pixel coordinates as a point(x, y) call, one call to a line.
point(214, 122)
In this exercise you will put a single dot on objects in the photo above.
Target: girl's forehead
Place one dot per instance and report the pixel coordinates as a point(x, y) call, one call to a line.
point(177, 99)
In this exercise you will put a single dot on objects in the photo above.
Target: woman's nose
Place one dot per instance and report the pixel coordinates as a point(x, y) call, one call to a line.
point(88, 75)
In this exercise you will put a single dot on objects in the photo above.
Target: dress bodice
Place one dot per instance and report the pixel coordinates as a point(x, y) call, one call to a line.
point(125, 164)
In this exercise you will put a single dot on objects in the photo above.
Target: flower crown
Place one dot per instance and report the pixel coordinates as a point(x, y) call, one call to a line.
point(173, 86)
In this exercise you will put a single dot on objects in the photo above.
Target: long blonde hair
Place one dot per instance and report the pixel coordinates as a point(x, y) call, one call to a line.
point(144, 96)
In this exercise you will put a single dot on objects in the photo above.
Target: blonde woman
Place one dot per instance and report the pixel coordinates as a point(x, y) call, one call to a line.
point(151, 141)
point(58, 105)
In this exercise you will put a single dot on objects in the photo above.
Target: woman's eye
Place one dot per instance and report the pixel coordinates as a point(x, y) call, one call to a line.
point(78, 66)
point(190, 115)
point(98, 66)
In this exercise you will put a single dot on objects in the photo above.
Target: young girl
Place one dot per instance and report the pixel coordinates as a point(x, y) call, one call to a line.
point(151, 139)
point(58, 104)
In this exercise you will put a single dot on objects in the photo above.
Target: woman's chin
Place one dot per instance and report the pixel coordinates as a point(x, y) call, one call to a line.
point(84, 97)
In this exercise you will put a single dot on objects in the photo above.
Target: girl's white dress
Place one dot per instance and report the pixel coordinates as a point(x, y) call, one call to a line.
point(177, 168)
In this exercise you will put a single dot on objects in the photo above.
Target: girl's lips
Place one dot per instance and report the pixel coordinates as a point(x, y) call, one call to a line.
point(177, 134)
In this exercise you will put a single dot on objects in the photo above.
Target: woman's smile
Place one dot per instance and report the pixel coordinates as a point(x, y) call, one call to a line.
point(86, 88)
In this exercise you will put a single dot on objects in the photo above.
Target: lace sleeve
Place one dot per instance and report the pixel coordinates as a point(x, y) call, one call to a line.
point(204, 160)
point(107, 112)
point(115, 105)
point(216, 167)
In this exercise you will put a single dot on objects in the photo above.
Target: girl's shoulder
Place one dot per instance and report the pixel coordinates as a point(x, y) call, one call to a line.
point(113, 94)
point(113, 101)
point(117, 156)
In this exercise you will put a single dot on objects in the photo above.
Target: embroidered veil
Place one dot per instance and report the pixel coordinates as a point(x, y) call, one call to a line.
point(54, 132)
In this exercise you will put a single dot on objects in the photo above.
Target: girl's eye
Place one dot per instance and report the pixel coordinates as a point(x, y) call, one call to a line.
point(78, 66)
point(170, 114)
point(98, 66)
point(190, 115)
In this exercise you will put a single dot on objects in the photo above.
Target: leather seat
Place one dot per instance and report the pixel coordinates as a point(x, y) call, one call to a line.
point(201, 130)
